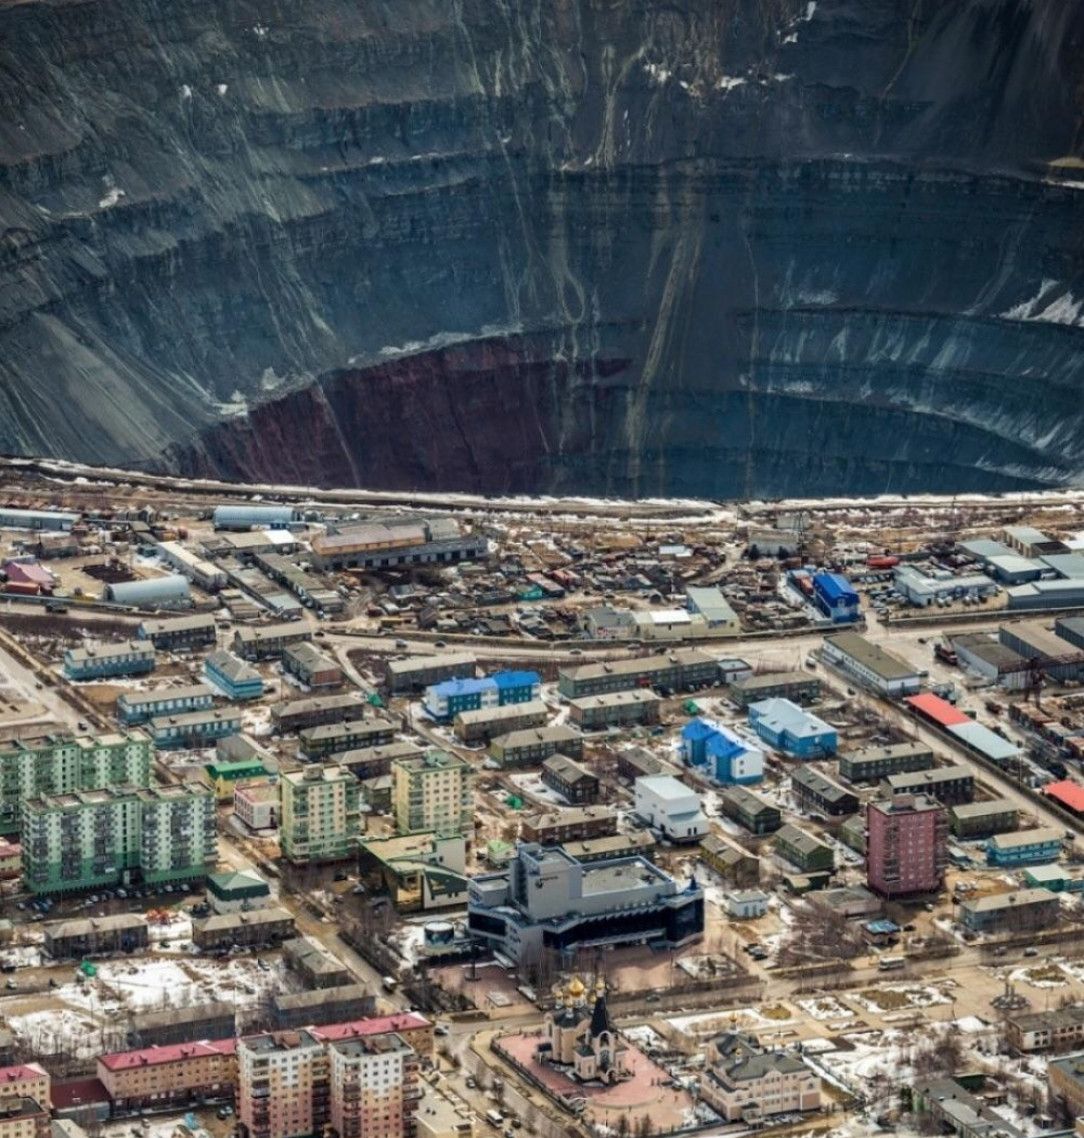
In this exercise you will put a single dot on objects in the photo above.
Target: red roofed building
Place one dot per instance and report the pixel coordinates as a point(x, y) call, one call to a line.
point(937, 710)
point(416, 1030)
point(30, 1080)
point(173, 1075)
point(1069, 794)
point(29, 574)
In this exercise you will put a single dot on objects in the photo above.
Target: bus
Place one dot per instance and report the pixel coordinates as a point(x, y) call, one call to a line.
point(890, 963)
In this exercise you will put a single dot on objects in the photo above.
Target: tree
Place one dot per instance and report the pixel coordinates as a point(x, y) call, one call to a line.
point(622, 1125)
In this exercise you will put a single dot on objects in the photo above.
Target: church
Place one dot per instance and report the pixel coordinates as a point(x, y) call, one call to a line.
point(583, 1039)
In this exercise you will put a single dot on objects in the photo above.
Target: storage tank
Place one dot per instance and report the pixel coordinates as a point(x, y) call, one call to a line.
point(439, 932)
point(159, 592)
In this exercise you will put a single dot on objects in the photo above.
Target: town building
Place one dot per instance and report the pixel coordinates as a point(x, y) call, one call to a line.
point(815, 793)
point(444, 701)
point(1025, 847)
point(416, 673)
point(317, 711)
point(105, 661)
point(532, 747)
point(11, 860)
point(339, 738)
point(953, 785)
point(136, 707)
point(418, 872)
point(576, 824)
point(223, 778)
point(835, 597)
point(744, 1083)
point(259, 928)
point(804, 851)
point(547, 899)
point(871, 665)
point(906, 845)
point(62, 763)
point(79, 937)
point(1023, 910)
point(872, 764)
point(387, 544)
point(374, 1087)
point(237, 892)
point(574, 782)
point(983, 819)
point(638, 843)
point(669, 806)
point(311, 667)
point(733, 863)
point(160, 835)
point(1055, 1030)
point(315, 966)
point(267, 641)
point(433, 792)
point(669, 624)
point(171, 1076)
point(750, 810)
point(234, 677)
point(721, 753)
point(787, 727)
point(179, 632)
point(483, 725)
point(320, 814)
point(158, 1028)
point(282, 1086)
point(1065, 1078)
point(257, 804)
point(746, 904)
point(714, 608)
point(321, 1006)
point(615, 709)
point(375, 762)
point(26, 1080)
point(945, 1106)
point(195, 729)
point(580, 1040)
point(205, 574)
point(680, 670)
point(23, 1117)
point(798, 687)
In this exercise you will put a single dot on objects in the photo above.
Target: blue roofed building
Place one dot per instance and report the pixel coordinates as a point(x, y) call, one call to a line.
point(444, 701)
point(721, 753)
point(835, 597)
point(787, 727)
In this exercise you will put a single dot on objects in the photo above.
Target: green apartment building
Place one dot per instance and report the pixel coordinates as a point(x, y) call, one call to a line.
point(124, 835)
point(320, 814)
point(63, 764)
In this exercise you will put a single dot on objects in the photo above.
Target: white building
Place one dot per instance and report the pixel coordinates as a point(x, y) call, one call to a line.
point(671, 807)
point(921, 590)
point(746, 904)
point(204, 573)
point(670, 624)
point(871, 665)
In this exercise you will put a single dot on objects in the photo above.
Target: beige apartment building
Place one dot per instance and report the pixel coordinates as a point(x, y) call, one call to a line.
point(320, 816)
point(374, 1087)
point(433, 792)
point(172, 1075)
point(26, 1080)
point(22, 1117)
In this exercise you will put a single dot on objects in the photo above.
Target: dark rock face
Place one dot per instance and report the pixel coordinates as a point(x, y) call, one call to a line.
point(713, 247)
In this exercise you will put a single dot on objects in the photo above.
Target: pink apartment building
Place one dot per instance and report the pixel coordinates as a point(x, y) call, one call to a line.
point(906, 845)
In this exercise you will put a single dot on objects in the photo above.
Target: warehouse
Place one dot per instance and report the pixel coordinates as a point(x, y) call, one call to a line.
point(680, 670)
point(750, 810)
point(871, 764)
point(334, 738)
point(835, 597)
point(951, 786)
point(297, 714)
point(923, 591)
point(532, 747)
point(203, 573)
point(798, 687)
point(983, 819)
point(481, 726)
point(129, 658)
point(1033, 640)
point(249, 517)
point(1011, 569)
point(871, 665)
point(715, 609)
point(179, 632)
point(311, 667)
point(415, 674)
point(617, 709)
point(154, 593)
point(1046, 595)
point(233, 677)
point(785, 726)
point(134, 707)
point(1023, 910)
point(982, 654)
point(385, 545)
point(815, 793)
point(1028, 541)
point(575, 783)
point(310, 590)
point(1071, 630)
point(267, 641)
point(36, 519)
point(196, 729)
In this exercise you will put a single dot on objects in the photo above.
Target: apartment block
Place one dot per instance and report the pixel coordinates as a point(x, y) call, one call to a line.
point(573, 781)
point(953, 785)
point(26, 1080)
point(320, 814)
point(433, 792)
point(311, 666)
point(135, 707)
point(22, 1117)
point(62, 764)
point(265, 642)
point(337, 738)
point(256, 929)
point(299, 714)
point(78, 937)
point(118, 836)
point(179, 632)
point(871, 764)
point(169, 1076)
point(196, 729)
point(799, 687)
point(483, 725)
point(614, 709)
point(906, 845)
point(681, 670)
point(131, 658)
point(419, 672)
point(374, 1087)
point(531, 747)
